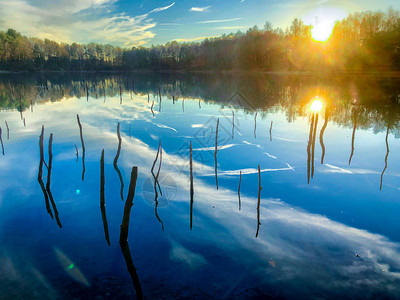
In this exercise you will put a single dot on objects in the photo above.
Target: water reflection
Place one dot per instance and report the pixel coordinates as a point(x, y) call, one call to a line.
point(103, 199)
point(83, 147)
point(321, 134)
point(386, 156)
point(123, 238)
point(115, 164)
point(310, 234)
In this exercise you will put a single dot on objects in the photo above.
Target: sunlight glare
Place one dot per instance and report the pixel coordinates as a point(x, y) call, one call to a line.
point(322, 32)
point(316, 106)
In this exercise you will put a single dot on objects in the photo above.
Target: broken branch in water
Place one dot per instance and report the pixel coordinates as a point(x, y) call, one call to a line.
point(270, 131)
point(155, 186)
point(115, 164)
point(123, 237)
point(191, 187)
point(1, 140)
point(103, 199)
point(83, 147)
point(41, 151)
point(215, 154)
point(49, 168)
point(8, 131)
point(258, 202)
point(240, 181)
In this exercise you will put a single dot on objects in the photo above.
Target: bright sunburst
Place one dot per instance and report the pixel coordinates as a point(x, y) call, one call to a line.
point(322, 31)
point(316, 105)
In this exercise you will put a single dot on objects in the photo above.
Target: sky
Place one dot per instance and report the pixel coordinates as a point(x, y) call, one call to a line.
point(130, 23)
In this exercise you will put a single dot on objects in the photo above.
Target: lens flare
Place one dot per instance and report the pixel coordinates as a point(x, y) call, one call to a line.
point(316, 105)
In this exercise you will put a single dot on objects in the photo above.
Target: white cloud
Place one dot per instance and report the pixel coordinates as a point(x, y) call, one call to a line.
point(200, 9)
point(72, 21)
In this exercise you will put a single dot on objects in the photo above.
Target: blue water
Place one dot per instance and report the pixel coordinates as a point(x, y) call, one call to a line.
point(334, 237)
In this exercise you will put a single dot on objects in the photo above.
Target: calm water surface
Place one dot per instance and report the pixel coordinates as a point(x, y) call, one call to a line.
point(327, 223)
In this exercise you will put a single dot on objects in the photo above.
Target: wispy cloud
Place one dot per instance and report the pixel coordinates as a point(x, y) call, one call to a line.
point(195, 39)
point(200, 9)
point(218, 21)
point(161, 8)
point(79, 21)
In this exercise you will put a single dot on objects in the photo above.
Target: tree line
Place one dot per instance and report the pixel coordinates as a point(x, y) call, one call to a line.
point(365, 41)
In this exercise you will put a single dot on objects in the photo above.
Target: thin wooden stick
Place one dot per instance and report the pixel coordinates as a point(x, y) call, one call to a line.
point(309, 148)
point(8, 131)
point(103, 199)
point(77, 153)
point(116, 162)
point(258, 202)
point(270, 131)
point(1, 140)
point(191, 187)
point(233, 123)
point(41, 151)
point(83, 147)
point(240, 181)
point(123, 237)
point(352, 137)
point(255, 125)
point(313, 145)
point(155, 188)
point(386, 157)
point(215, 154)
point(321, 135)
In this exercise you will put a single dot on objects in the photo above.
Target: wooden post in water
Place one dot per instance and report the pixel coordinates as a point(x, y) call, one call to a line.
point(155, 186)
point(313, 145)
point(233, 123)
point(123, 237)
point(258, 202)
point(152, 108)
point(191, 187)
point(321, 135)
point(8, 131)
point(83, 147)
point(103, 199)
point(255, 125)
point(270, 131)
point(240, 181)
point(352, 137)
point(49, 168)
point(116, 162)
point(309, 148)
point(1, 140)
point(41, 151)
point(215, 154)
point(386, 157)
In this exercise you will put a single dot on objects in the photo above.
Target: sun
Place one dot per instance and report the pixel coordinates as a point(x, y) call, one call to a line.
point(316, 105)
point(322, 31)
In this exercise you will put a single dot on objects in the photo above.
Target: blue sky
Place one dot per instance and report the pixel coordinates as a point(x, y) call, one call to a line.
point(132, 23)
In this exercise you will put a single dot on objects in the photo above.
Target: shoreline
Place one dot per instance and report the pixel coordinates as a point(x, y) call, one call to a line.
point(393, 74)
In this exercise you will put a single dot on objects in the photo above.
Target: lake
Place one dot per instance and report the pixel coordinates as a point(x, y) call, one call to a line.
point(284, 202)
